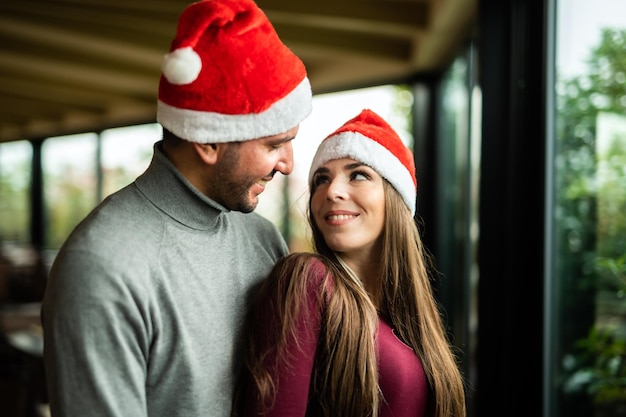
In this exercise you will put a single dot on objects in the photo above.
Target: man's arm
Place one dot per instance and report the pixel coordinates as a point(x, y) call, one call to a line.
point(95, 341)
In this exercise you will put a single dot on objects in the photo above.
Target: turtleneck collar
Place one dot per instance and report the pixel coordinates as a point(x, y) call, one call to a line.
point(164, 185)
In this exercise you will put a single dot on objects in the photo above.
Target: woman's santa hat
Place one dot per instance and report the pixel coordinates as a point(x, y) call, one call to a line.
point(367, 138)
point(228, 77)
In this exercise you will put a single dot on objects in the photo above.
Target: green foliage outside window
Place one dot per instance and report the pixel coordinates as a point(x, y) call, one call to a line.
point(591, 231)
point(15, 160)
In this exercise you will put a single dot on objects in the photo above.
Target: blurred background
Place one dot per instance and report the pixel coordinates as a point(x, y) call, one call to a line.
point(516, 114)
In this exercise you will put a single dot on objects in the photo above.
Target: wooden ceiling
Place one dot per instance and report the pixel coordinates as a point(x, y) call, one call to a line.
point(70, 66)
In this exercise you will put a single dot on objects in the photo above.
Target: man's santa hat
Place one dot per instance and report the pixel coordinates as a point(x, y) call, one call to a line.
point(367, 138)
point(228, 77)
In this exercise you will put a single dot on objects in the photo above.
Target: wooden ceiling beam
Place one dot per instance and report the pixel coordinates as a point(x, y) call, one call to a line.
point(65, 95)
point(74, 42)
point(67, 72)
point(396, 12)
point(352, 42)
point(77, 122)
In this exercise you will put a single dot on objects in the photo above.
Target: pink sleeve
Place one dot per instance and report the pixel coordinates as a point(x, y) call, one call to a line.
point(293, 383)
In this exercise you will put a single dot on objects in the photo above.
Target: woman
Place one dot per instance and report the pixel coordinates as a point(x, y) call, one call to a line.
point(353, 330)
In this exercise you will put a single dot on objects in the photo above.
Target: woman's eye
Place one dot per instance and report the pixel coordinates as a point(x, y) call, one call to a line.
point(320, 179)
point(360, 176)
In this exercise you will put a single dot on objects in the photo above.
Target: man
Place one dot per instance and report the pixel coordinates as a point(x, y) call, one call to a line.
point(145, 300)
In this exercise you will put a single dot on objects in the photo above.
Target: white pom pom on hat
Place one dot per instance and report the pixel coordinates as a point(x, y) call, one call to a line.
point(181, 66)
point(228, 77)
point(369, 139)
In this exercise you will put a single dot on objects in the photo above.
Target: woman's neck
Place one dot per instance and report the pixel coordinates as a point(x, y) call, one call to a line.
point(368, 272)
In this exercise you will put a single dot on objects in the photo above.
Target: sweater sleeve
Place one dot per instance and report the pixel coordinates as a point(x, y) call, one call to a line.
point(294, 379)
point(95, 341)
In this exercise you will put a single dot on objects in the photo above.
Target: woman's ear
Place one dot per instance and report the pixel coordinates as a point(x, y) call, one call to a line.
point(207, 152)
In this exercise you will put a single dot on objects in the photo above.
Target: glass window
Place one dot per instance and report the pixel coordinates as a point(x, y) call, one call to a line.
point(126, 153)
point(15, 176)
point(589, 248)
point(70, 184)
point(456, 196)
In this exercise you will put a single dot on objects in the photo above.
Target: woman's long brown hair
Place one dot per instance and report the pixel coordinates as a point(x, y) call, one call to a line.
point(345, 374)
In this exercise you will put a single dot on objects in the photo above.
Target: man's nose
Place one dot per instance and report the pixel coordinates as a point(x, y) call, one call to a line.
point(285, 163)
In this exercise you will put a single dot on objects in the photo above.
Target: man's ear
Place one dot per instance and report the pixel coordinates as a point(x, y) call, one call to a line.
point(207, 151)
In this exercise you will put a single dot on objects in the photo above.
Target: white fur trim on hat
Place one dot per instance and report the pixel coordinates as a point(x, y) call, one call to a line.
point(211, 127)
point(361, 148)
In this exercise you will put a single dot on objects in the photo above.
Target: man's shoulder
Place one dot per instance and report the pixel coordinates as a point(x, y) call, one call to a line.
point(121, 219)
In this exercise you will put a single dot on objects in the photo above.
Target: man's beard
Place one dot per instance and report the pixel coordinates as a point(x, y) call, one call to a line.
point(230, 189)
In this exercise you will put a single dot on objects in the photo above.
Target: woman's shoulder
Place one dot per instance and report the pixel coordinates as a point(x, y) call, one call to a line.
point(310, 259)
point(312, 262)
point(313, 267)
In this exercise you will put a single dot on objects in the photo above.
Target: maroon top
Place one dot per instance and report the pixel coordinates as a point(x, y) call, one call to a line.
point(401, 377)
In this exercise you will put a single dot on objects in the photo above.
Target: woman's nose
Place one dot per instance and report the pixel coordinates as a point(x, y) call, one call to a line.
point(336, 189)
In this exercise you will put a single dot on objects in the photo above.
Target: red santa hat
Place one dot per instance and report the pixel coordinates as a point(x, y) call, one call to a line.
point(367, 138)
point(228, 77)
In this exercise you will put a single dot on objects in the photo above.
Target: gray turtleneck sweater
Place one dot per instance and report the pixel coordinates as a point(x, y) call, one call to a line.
point(145, 301)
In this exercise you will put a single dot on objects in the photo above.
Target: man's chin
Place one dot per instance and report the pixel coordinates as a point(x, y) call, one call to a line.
point(248, 206)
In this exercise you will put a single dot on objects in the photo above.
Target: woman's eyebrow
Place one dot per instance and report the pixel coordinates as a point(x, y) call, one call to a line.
point(353, 165)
